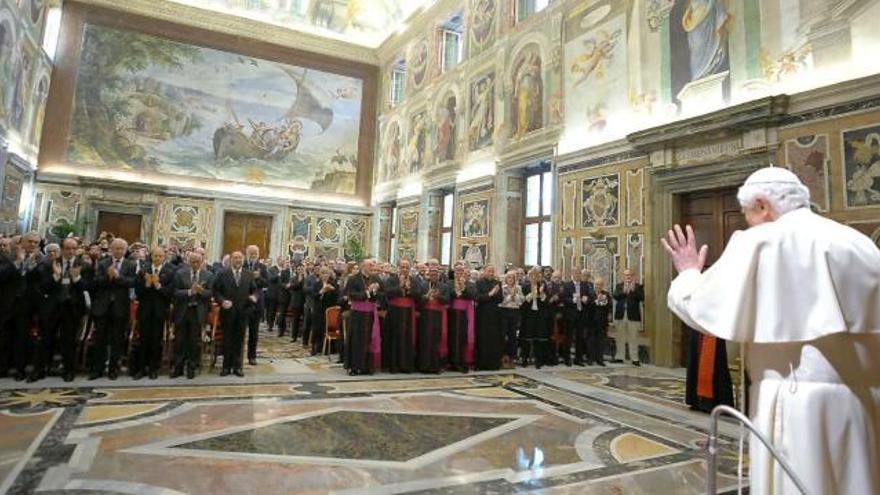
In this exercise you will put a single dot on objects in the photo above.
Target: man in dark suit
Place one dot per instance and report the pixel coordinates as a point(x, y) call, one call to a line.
point(311, 285)
point(155, 287)
point(284, 275)
point(628, 297)
point(577, 296)
point(236, 291)
point(60, 311)
point(192, 300)
point(9, 281)
point(261, 277)
point(114, 278)
point(273, 292)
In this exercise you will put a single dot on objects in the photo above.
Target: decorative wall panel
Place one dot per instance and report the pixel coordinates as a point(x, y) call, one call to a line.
point(808, 157)
point(601, 201)
point(184, 222)
point(473, 230)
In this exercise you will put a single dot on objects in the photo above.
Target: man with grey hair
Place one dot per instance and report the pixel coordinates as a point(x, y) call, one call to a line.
point(114, 277)
point(802, 294)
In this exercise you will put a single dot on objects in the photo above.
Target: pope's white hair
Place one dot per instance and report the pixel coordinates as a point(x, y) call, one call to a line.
point(778, 186)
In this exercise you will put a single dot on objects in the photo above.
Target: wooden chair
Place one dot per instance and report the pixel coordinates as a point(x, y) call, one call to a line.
point(331, 327)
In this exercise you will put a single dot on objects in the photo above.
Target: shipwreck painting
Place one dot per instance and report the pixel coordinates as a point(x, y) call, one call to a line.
point(152, 105)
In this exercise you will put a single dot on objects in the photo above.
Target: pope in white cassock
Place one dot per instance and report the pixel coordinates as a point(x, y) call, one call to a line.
point(802, 294)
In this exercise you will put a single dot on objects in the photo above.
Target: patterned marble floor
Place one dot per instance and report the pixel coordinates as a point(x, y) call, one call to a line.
point(559, 430)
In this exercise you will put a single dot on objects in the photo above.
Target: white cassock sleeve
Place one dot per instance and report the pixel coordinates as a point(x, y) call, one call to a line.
point(793, 280)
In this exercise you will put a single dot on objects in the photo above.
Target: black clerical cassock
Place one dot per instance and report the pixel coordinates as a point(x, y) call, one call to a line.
point(490, 340)
point(402, 294)
point(363, 347)
point(432, 336)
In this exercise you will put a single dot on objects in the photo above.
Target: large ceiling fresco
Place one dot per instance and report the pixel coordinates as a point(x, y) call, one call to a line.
point(363, 22)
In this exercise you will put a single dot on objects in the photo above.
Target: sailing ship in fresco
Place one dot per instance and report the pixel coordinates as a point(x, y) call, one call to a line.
point(273, 143)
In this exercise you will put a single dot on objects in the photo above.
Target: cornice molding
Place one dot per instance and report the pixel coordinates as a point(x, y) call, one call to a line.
point(166, 11)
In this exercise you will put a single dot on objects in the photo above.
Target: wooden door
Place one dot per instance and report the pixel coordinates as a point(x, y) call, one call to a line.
point(124, 225)
point(715, 216)
point(241, 230)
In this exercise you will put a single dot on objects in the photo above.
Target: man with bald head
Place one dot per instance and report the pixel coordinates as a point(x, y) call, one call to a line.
point(192, 300)
point(261, 279)
point(155, 286)
point(363, 349)
point(236, 291)
point(628, 297)
point(114, 277)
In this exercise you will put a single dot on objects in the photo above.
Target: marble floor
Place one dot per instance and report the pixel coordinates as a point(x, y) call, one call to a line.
point(301, 425)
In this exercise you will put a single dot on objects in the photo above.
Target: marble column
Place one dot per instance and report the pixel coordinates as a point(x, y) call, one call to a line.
point(431, 217)
point(507, 242)
point(382, 233)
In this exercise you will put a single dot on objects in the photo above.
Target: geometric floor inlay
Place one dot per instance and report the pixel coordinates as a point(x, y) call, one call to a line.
point(375, 436)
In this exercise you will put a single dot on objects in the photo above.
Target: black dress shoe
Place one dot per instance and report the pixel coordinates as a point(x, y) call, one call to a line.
point(19, 376)
point(238, 373)
point(616, 361)
point(176, 373)
point(68, 376)
point(579, 363)
point(190, 374)
point(112, 374)
point(252, 362)
point(602, 363)
point(225, 372)
point(94, 375)
point(154, 375)
point(636, 364)
point(35, 377)
point(137, 376)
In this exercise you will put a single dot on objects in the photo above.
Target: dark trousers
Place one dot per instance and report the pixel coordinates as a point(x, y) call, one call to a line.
point(596, 337)
point(110, 331)
point(152, 330)
point(574, 326)
point(295, 324)
point(308, 316)
point(253, 334)
point(510, 321)
point(271, 308)
point(22, 326)
point(233, 336)
point(7, 342)
point(187, 340)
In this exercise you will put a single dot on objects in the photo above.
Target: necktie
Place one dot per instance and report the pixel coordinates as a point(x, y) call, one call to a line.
point(237, 277)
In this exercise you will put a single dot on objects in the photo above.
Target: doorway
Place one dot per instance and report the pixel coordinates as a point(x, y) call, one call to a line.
point(715, 216)
point(242, 229)
point(124, 225)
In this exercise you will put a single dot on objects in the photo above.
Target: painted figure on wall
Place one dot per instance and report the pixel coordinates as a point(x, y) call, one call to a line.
point(528, 90)
point(392, 151)
point(482, 124)
point(862, 166)
point(418, 63)
point(41, 94)
point(446, 115)
point(596, 55)
point(482, 24)
point(158, 106)
point(21, 90)
point(415, 148)
point(8, 51)
point(476, 219)
point(698, 40)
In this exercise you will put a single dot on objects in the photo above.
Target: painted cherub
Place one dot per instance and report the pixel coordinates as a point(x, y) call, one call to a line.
point(597, 53)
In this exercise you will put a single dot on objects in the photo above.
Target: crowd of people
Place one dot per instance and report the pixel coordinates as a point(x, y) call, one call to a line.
point(119, 305)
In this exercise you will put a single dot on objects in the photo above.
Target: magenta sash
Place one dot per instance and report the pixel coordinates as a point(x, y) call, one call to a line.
point(407, 302)
point(444, 338)
point(467, 306)
point(376, 339)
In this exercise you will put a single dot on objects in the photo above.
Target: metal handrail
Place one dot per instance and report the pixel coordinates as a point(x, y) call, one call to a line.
point(713, 448)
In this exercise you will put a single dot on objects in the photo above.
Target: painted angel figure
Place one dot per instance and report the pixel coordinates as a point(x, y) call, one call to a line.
point(598, 52)
point(482, 124)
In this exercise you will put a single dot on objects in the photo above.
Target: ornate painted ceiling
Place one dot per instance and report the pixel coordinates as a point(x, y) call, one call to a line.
point(362, 22)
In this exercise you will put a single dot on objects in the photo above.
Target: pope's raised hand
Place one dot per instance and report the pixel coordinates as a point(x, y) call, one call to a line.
point(682, 248)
